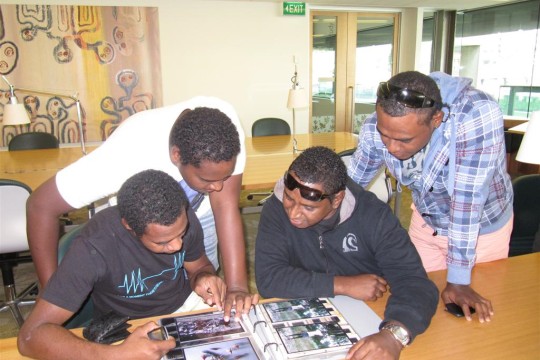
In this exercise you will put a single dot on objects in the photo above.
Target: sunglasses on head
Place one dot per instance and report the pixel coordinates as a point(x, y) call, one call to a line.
point(306, 192)
point(409, 98)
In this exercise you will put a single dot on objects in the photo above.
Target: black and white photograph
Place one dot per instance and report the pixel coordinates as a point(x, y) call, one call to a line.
point(313, 337)
point(205, 326)
point(223, 350)
point(296, 309)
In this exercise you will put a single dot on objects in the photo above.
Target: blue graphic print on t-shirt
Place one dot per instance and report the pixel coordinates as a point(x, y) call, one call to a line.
point(135, 285)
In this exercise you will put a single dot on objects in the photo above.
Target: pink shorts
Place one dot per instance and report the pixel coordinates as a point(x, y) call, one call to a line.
point(434, 249)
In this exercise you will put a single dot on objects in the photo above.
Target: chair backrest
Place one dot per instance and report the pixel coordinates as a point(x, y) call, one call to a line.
point(13, 196)
point(270, 126)
point(33, 140)
point(84, 315)
point(526, 213)
point(65, 241)
point(380, 185)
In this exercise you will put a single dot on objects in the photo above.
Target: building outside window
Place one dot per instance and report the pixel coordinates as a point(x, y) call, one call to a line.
point(498, 48)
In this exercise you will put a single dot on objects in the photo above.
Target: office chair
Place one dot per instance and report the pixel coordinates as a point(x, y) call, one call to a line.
point(381, 185)
point(82, 317)
point(13, 244)
point(268, 127)
point(526, 214)
point(33, 140)
point(36, 141)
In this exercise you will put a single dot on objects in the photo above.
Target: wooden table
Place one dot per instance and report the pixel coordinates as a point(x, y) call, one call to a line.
point(514, 129)
point(518, 129)
point(267, 158)
point(33, 167)
point(513, 286)
point(513, 121)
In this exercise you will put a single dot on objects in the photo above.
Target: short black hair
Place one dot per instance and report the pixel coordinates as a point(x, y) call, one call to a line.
point(320, 165)
point(205, 134)
point(413, 80)
point(151, 197)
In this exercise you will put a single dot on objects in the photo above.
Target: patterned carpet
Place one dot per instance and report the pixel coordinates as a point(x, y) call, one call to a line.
point(25, 274)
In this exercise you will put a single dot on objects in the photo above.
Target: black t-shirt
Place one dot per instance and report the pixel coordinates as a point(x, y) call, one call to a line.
point(122, 274)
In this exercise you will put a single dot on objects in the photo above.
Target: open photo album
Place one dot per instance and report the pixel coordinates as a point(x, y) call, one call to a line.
point(285, 329)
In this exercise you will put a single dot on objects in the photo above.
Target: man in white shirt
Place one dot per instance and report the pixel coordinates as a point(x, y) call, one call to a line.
point(203, 149)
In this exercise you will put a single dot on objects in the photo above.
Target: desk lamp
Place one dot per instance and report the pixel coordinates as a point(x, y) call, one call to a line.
point(529, 150)
point(297, 99)
point(15, 114)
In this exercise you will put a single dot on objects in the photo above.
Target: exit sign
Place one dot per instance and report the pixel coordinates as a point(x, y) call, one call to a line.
point(294, 8)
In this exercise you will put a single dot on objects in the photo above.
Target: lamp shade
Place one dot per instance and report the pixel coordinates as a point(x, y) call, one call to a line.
point(297, 99)
point(15, 114)
point(529, 150)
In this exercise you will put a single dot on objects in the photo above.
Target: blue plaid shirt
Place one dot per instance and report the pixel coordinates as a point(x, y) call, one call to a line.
point(464, 189)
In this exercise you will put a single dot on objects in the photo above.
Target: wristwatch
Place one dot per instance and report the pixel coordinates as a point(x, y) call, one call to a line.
point(398, 332)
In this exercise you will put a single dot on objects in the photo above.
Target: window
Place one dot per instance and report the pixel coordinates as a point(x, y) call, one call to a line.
point(427, 43)
point(497, 47)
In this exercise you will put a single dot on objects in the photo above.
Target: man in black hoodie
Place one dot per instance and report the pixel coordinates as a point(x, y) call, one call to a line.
point(322, 235)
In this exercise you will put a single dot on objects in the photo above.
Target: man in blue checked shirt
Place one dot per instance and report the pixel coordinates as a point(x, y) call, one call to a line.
point(444, 140)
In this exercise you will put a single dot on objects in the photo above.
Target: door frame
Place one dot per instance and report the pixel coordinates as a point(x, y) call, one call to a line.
point(346, 30)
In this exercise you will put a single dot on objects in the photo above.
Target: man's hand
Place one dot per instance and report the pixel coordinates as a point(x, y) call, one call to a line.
point(211, 288)
point(381, 345)
point(361, 287)
point(139, 346)
point(464, 296)
point(239, 299)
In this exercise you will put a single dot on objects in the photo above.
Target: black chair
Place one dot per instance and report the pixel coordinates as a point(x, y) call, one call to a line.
point(268, 127)
point(84, 315)
point(526, 214)
point(36, 141)
point(33, 140)
point(14, 244)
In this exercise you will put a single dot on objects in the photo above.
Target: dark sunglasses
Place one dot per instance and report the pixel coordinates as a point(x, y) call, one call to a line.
point(306, 192)
point(409, 98)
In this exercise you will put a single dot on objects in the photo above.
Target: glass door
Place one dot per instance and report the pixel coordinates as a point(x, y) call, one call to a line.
point(351, 53)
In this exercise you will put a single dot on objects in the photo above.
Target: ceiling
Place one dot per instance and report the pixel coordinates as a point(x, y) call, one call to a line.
point(429, 4)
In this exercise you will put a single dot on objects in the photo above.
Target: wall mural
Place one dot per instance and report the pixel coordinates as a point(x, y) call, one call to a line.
point(108, 55)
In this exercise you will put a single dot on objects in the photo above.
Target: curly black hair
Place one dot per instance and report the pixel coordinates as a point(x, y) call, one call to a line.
point(204, 134)
point(151, 197)
point(413, 80)
point(319, 164)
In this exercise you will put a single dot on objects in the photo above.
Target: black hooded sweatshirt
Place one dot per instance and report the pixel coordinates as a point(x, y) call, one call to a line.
point(363, 237)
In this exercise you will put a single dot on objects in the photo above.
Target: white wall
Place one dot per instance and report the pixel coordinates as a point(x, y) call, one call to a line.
point(239, 51)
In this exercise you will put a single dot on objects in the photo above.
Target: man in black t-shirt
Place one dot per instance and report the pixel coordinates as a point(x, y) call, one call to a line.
point(139, 259)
